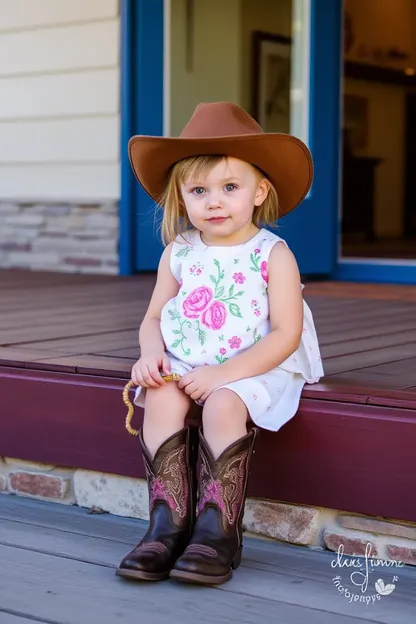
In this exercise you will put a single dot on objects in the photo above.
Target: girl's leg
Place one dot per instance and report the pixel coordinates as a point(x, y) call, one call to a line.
point(224, 420)
point(225, 450)
point(164, 414)
point(169, 454)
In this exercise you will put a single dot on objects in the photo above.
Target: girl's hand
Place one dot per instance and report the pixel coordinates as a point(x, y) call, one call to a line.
point(146, 371)
point(200, 382)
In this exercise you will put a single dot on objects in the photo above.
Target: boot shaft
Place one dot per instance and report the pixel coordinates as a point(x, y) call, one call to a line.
point(171, 475)
point(223, 482)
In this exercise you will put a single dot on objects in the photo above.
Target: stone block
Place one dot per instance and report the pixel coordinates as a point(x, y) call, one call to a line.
point(15, 246)
point(100, 246)
point(19, 259)
point(291, 523)
point(82, 261)
point(102, 221)
point(9, 208)
point(38, 209)
point(109, 208)
point(47, 243)
point(58, 210)
point(374, 525)
point(121, 496)
point(352, 545)
point(406, 554)
point(3, 483)
point(94, 234)
point(36, 484)
point(100, 270)
point(25, 220)
point(34, 259)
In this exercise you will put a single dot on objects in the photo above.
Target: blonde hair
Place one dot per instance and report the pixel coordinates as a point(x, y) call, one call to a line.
point(175, 219)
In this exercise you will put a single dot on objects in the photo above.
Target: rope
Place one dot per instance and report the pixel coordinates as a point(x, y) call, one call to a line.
point(129, 386)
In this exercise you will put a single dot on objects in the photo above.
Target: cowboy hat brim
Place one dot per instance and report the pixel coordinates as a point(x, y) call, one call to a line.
point(285, 160)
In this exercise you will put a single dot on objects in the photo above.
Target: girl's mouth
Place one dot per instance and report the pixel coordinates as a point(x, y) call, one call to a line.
point(217, 219)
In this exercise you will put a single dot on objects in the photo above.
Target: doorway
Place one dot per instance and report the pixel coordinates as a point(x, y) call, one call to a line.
point(378, 200)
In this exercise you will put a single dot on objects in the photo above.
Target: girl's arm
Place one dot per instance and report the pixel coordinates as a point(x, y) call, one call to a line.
point(286, 320)
point(166, 287)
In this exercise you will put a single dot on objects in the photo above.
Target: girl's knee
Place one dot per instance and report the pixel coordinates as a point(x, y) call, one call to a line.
point(224, 407)
point(165, 402)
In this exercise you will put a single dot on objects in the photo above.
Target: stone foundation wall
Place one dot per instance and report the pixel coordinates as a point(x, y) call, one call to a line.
point(312, 527)
point(74, 238)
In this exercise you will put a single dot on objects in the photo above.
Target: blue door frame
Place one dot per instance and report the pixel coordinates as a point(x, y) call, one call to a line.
point(312, 230)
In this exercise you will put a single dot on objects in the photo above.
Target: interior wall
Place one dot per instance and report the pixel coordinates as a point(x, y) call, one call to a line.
point(216, 71)
point(380, 25)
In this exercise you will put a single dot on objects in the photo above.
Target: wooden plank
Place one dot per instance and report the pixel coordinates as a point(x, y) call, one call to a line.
point(381, 292)
point(89, 45)
point(102, 597)
point(6, 617)
point(349, 387)
point(38, 13)
point(364, 329)
point(344, 363)
point(75, 338)
point(70, 182)
point(87, 365)
point(270, 570)
point(362, 345)
point(94, 343)
point(34, 142)
point(56, 95)
point(12, 356)
point(372, 330)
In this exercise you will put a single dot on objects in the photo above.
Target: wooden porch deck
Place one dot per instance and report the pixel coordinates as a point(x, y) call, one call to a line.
point(58, 566)
point(67, 344)
point(89, 324)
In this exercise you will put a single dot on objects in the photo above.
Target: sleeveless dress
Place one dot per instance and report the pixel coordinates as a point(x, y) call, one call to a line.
point(222, 309)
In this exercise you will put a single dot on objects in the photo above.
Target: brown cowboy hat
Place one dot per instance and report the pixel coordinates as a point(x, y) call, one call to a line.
point(225, 128)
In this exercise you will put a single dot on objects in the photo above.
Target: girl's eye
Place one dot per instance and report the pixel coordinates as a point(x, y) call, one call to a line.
point(198, 190)
point(230, 187)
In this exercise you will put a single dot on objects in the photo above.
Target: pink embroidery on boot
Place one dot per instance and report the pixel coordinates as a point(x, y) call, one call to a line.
point(159, 491)
point(213, 493)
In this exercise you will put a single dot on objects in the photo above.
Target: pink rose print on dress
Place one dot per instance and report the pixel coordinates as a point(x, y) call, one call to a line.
point(263, 271)
point(239, 278)
point(197, 301)
point(223, 351)
point(214, 317)
point(234, 342)
point(257, 251)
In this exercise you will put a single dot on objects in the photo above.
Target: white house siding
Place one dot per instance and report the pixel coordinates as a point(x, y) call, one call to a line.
point(59, 134)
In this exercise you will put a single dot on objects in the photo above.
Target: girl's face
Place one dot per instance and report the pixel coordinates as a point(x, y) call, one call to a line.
point(220, 203)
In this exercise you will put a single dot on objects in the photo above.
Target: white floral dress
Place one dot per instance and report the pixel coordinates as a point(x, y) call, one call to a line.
point(222, 309)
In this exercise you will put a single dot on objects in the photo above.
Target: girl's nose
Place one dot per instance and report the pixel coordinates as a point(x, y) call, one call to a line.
point(214, 201)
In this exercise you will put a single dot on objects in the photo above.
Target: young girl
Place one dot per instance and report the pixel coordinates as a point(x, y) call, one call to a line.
point(226, 316)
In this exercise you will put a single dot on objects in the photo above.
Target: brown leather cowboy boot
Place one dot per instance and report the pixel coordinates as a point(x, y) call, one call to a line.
point(217, 541)
point(172, 496)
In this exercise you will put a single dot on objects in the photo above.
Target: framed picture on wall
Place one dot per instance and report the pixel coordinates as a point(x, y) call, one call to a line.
point(271, 81)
